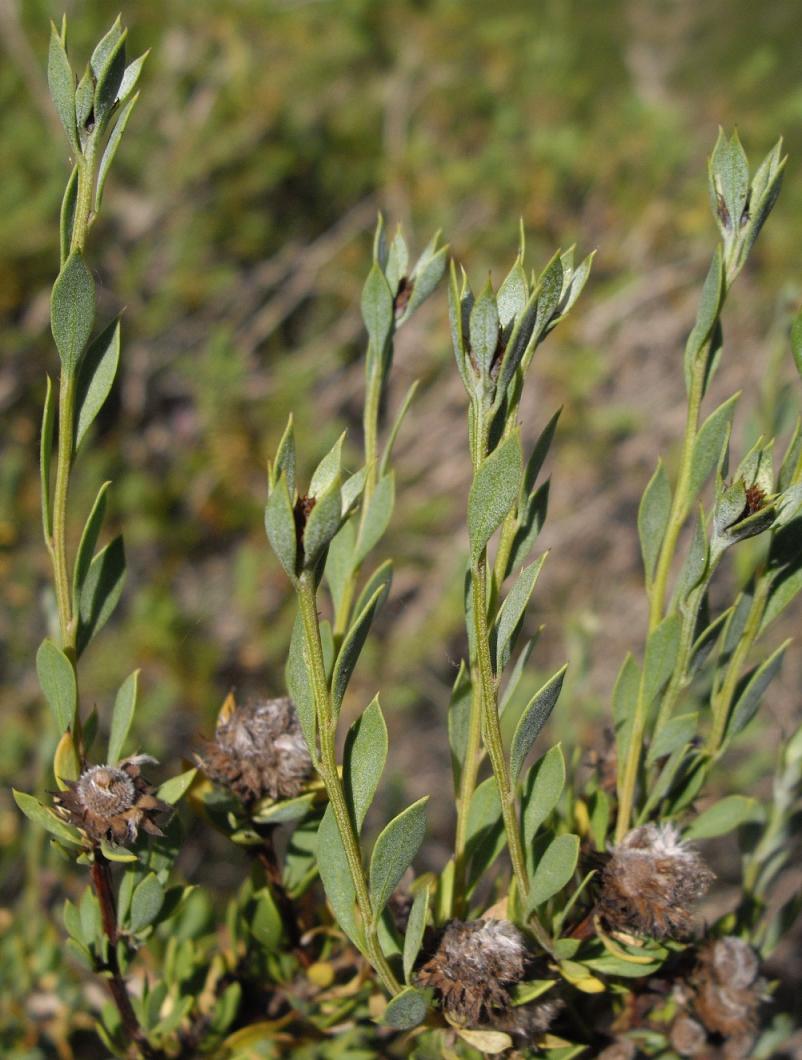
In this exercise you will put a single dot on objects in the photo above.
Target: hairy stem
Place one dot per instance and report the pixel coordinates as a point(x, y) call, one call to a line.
point(61, 571)
point(468, 778)
point(327, 768)
point(491, 727)
point(680, 499)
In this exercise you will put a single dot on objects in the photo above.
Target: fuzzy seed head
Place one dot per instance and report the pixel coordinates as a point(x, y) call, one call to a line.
point(112, 802)
point(650, 882)
point(729, 991)
point(473, 967)
point(259, 750)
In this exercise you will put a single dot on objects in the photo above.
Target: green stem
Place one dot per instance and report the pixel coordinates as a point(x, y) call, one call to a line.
point(721, 702)
point(370, 422)
point(61, 572)
point(468, 778)
point(680, 500)
point(327, 768)
point(491, 727)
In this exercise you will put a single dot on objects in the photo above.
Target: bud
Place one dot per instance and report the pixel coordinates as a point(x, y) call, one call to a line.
point(112, 802)
point(259, 751)
point(650, 881)
point(473, 967)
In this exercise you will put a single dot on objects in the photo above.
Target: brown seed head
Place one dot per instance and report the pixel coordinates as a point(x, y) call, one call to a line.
point(728, 990)
point(258, 751)
point(473, 966)
point(112, 802)
point(650, 882)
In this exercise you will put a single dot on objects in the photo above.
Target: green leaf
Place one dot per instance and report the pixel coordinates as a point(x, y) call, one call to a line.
point(268, 812)
point(662, 648)
point(513, 294)
point(131, 77)
point(710, 442)
point(494, 491)
point(95, 377)
point(485, 837)
point(677, 732)
point(146, 903)
point(72, 311)
point(340, 562)
point(377, 517)
point(89, 913)
point(336, 877)
point(105, 47)
point(381, 578)
point(377, 308)
point(516, 674)
point(484, 328)
point(531, 517)
point(61, 82)
point(407, 1009)
point(512, 611)
point(101, 590)
point(458, 721)
point(89, 539)
point(42, 815)
point(696, 564)
point(328, 470)
point(542, 791)
point(730, 173)
point(174, 789)
point(45, 455)
point(57, 678)
point(653, 513)
point(426, 275)
point(532, 720)
point(113, 144)
point(322, 524)
point(416, 927)
point(397, 260)
point(796, 341)
point(67, 214)
point(782, 592)
point(350, 650)
point(625, 697)
point(554, 869)
point(725, 816)
point(393, 852)
point(752, 692)
point(280, 527)
point(399, 419)
point(109, 79)
point(299, 685)
point(122, 716)
point(707, 313)
point(265, 921)
point(363, 760)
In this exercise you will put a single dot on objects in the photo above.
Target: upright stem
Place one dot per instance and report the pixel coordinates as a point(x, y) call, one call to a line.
point(327, 768)
point(657, 596)
point(679, 502)
point(61, 571)
point(101, 882)
point(721, 702)
point(491, 727)
point(468, 778)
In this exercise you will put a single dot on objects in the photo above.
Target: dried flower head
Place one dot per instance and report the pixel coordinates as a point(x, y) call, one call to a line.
point(473, 966)
point(728, 992)
point(113, 802)
point(259, 750)
point(650, 881)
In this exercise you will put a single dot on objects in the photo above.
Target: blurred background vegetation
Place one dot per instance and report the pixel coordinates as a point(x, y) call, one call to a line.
point(236, 233)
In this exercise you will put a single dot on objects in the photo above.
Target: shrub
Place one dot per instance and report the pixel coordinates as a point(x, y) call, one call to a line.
point(564, 921)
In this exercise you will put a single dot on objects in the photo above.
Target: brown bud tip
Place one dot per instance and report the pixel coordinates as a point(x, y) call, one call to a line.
point(650, 881)
point(473, 966)
point(259, 751)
